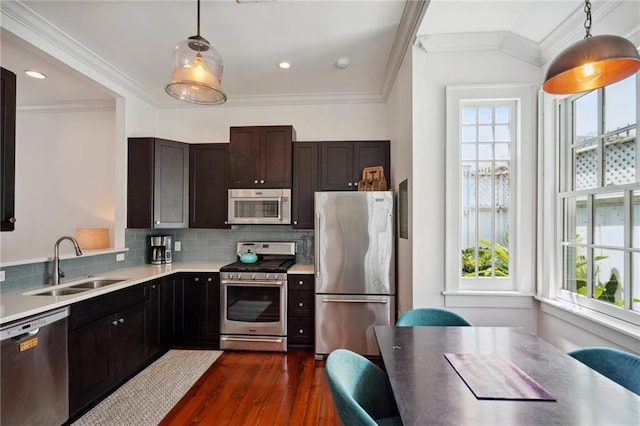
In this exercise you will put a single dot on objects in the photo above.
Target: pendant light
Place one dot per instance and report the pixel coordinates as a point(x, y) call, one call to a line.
point(197, 71)
point(591, 63)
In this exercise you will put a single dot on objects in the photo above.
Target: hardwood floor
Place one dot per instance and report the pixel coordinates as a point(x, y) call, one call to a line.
point(259, 388)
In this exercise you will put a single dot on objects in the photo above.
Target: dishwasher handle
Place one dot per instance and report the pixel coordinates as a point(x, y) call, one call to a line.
point(32, 325)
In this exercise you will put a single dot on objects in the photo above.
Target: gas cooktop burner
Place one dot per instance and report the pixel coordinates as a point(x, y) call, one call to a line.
point(260, 266)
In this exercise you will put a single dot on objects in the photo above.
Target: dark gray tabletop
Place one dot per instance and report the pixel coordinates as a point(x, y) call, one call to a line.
point(428, 390)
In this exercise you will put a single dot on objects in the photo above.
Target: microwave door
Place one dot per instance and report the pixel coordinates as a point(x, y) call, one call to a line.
point(255, 210)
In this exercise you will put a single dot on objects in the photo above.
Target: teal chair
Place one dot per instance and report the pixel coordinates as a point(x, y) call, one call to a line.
point(360, 390)
point(431, 317)
point(621, 367)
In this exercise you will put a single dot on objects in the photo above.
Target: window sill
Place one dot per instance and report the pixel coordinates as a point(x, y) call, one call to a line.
point(488, 299)
point(620, 332)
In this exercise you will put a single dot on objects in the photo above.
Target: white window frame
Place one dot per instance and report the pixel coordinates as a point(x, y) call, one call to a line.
point(564, 131)
point(523, 188)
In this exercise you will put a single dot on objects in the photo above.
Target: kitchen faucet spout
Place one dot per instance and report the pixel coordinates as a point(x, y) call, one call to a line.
point(57, 273)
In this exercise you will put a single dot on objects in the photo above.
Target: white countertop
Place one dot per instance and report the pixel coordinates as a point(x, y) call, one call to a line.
point(15, 305)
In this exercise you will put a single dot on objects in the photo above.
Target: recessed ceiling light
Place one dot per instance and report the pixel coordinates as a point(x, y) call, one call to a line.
point(35, 74)
point(284, 65)
point(342, 63)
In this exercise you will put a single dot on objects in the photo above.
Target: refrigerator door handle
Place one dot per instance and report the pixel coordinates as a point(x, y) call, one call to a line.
point(318, 234)
point(331, 300)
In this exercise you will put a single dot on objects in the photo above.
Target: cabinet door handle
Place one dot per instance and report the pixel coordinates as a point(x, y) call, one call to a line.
point(301, 331)
point(300, 282)
point(157, 222)
point(295, 222)
point(301, 304)
point(255, 181)
point(121, 320)
point(12, 220)
point(261, 181)
point(115, 322)
point(209, 279)
point(197, 279)
point(349, 184)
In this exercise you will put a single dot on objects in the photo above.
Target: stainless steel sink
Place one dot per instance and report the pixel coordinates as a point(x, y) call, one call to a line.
point(96, 283)
point(60, 292)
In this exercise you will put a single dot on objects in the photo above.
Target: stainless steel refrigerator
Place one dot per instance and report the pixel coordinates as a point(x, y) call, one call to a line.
point(354, 269)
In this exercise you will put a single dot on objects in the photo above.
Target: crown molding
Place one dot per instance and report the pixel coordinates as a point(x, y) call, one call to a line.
point(412, 16)
point(284, 100)
point(33, 28)
point(503, 41)
point(76, 106)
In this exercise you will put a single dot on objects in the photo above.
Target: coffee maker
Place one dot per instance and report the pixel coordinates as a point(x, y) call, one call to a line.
point(160, 252)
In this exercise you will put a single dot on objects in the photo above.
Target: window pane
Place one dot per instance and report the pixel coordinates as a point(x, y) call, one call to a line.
point(502, 151)
point(586, 116)
point(503, 134)
point(575, 270)
point(575, 219)
point(485, 115)
point(620, 158)
point(469, 134)
point(503, 114)
point(485, 151)
point(619, 107)
point(609, 219)
point(635, 218)
point(468, 115)
point(468, 151)
point(485, 133)
point(608, 276)
point(586, 166)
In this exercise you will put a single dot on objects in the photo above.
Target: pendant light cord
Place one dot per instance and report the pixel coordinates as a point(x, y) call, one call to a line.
point(587, 21)
point(199, 18)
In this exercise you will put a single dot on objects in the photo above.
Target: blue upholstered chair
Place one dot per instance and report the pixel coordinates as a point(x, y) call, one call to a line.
point(360, 390)
point(621, 367)
point(431, 317)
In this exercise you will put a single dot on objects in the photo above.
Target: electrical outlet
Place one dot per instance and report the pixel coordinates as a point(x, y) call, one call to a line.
point(119, 257)
point(177, 246)
point(1, 276)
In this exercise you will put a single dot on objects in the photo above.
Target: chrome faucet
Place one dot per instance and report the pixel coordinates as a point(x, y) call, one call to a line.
point(57, 273)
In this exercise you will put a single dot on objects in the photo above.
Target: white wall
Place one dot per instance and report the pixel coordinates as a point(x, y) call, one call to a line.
point(400, 127)
point(64, 179)
point(432, 73)
point(202, 124)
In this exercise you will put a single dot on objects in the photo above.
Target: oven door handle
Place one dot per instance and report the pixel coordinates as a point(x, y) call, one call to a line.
point(253, 283)
point(249, 339)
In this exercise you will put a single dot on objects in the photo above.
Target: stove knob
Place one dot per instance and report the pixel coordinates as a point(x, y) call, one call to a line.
point(253, 276)
point(266, 277)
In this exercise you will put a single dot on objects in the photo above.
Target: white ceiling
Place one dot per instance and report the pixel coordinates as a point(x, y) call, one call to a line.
point(137, 38)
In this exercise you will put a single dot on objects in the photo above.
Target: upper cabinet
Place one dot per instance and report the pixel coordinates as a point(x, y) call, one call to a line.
point(260, 156)
point(305, 184)
point(7, 151)
point(341, 163)
point(208, 170)
point(157, 183)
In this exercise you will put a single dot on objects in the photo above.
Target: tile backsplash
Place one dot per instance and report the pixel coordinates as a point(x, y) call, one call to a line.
point(197, 245)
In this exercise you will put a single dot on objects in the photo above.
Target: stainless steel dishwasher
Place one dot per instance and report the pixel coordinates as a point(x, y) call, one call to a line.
point(34, 384)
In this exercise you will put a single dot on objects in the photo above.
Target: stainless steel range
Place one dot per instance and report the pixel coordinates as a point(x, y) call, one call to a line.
point(253, 314)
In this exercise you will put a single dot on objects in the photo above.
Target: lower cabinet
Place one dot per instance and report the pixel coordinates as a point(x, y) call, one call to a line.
point(161, 315)
point(107, 344)
point(198, 310)
point(300, 311)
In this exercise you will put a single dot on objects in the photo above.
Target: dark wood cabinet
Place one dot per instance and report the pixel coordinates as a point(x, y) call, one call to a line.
point(341, 163)
point(260, 156)
point(7, 150)
point(208, 171)
point(161, 295)
point(305, 184)
point(300, 314)
point(157, 183)
point(108, 342)
point(198, 310)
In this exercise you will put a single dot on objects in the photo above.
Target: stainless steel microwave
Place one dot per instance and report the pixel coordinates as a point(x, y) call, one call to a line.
point(259, 206)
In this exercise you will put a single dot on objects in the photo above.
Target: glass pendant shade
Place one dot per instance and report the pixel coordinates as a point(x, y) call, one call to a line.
point(197, 73)
point(591, 63)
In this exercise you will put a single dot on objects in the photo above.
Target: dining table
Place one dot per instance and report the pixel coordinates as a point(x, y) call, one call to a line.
point(495, 376)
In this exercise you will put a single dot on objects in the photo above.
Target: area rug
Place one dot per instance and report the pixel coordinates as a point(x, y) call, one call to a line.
point(152, 393)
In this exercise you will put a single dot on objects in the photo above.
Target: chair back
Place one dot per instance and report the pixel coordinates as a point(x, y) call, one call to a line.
point(360, 390)
point(621, 367)
point(431, 317)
